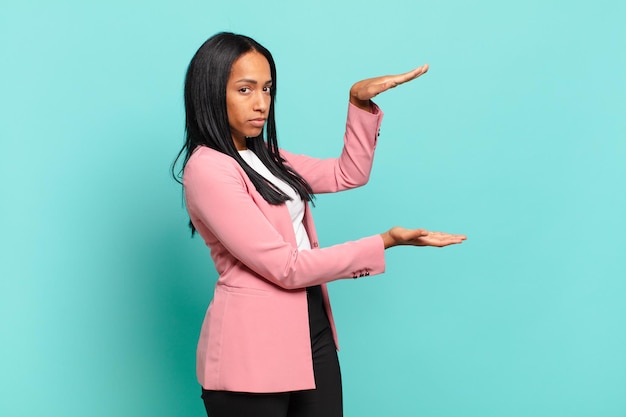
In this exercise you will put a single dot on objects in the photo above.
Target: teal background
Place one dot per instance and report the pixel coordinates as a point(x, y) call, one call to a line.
point(516, 137)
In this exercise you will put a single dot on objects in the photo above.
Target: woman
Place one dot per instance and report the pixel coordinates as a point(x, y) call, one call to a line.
point(268, 344)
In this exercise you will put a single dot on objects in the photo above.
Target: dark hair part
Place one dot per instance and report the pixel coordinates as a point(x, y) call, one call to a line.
point(207, 118)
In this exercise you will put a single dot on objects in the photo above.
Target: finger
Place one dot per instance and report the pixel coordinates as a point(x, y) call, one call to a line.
point(451, 235)
point(388, 83)
point(418, 71)
point(409, 76)
point(375, 89)
point(438, 239)
point(456, 237)
point(441, 244)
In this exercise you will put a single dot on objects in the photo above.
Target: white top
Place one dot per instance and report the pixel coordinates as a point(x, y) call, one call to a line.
point(295, 205)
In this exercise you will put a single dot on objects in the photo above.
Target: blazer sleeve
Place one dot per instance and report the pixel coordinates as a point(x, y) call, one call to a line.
point(352, 168)
point(218, 201)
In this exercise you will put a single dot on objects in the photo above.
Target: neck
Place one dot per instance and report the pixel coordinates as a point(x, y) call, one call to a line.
point(240, 143)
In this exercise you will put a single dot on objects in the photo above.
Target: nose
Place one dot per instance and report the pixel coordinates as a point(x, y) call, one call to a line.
point(262, 101)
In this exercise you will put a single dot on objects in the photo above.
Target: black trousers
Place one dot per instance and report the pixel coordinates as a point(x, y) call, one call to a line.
point(324, 401)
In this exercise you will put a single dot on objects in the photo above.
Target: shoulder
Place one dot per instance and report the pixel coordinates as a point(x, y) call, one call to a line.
point(208, 165)
point(203, 154)
point(204, 158)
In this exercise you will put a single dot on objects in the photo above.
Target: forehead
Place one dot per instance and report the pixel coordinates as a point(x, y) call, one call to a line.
point(251, 65)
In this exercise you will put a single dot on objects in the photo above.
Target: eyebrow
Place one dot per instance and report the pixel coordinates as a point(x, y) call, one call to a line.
point(251, 81)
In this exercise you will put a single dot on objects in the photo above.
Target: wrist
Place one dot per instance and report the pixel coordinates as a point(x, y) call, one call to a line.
point(388, 241)
point(365, 105)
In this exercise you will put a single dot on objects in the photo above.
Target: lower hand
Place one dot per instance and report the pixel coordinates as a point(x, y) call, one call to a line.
point(419, 237)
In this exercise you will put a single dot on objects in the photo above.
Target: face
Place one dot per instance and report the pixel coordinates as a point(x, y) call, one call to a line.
point(248, 97)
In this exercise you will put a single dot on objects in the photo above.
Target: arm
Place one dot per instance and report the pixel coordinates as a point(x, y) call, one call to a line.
point(352, 168)
point(220, 204)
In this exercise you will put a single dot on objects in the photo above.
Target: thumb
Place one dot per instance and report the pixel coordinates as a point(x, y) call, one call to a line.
point(419, 233)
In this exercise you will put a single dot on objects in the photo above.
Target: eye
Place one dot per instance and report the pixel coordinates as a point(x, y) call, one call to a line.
point(244, 90)
point(267, 89)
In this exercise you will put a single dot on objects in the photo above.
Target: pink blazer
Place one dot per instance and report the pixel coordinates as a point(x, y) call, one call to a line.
point(255, 335)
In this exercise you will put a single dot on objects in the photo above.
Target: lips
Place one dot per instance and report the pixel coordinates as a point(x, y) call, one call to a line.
point(257, 122)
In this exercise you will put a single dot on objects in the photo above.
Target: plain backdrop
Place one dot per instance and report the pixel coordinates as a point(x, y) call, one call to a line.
point(515, 137)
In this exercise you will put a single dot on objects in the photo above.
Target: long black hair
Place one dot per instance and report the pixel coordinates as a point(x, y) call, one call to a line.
point(206, 116)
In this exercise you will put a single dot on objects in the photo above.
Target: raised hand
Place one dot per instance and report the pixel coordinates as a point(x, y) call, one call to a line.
point(419, 237)
point(363, 91)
